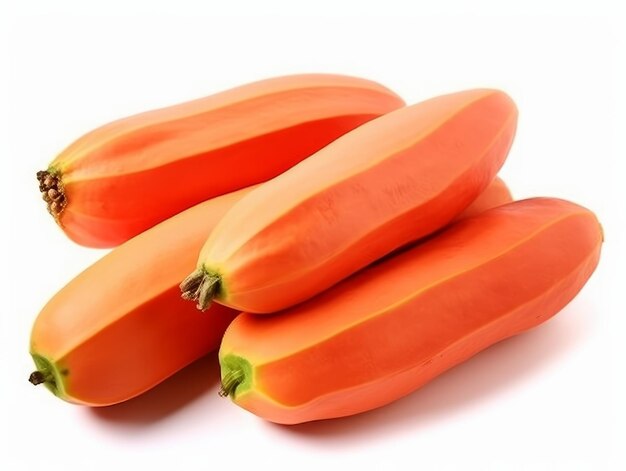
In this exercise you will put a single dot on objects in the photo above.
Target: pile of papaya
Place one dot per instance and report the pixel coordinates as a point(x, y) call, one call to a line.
point(339, 247)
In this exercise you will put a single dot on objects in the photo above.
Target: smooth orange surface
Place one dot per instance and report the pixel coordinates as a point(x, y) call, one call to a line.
point(388, 182)
point(496, 194)
point(386, 331)
point(128, 175)
point(120, 327)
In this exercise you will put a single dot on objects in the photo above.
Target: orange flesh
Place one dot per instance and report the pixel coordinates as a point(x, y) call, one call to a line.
point(393, 180)
point(389, 329)
point(121, 327)
point(133, 173)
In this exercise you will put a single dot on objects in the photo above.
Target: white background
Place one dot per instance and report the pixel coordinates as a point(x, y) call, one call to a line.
point(550, 399)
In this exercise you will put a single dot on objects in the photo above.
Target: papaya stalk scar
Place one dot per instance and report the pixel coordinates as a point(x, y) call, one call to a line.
point(52, 191)
point(201, 286)
point(231, 380)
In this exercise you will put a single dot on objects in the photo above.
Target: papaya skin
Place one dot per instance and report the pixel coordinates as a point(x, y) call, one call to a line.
point(126, 176)
point(394, 326)
point(120, 327)
point(389, 182)
point(208, 284)
point(496, 194)
point(92, 369)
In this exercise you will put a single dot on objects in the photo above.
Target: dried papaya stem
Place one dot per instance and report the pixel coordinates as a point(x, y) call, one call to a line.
point(231, 380)
point(52, 191)
point(207, 291)
point(48, 374)
point(190, 285)
point(39, 377)
point(202, 287)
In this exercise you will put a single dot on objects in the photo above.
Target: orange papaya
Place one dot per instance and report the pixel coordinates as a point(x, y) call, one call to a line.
point(393, 180)
point(126, 176)
point(396, 325)
point(91, 342)
point(496, 194)
point(120, 327)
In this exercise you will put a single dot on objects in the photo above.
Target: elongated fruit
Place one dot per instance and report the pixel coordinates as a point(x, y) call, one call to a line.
point(122, 178)
point(396, 325)
point(111, 333)
point(496, 194)
point(120, 327)
point(393, 180)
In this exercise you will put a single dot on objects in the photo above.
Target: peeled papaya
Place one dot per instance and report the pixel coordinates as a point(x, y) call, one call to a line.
point(396, 325)
point(128, 175)
point(393, 180)
point(120, 327)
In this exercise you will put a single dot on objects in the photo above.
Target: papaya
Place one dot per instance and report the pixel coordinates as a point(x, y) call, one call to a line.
point(110, 334)
point(120, 327)
point(126, 176)
point(496, 194)
point(391, 181)
point(394, 326)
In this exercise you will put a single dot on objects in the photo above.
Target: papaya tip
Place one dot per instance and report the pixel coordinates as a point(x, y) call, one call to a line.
point(52, 191)
point(37, 377)
point(231, 380)
point(201, 287)
point(191, 283)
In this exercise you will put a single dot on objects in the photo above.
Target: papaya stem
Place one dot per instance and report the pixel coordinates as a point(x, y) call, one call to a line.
point(231, 380)
point(52, 191)
point(202, 287)
point(190, 285)
point(38, 377)
point(208, 290)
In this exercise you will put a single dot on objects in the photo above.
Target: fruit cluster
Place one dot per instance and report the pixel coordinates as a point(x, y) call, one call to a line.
point(348, 248)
